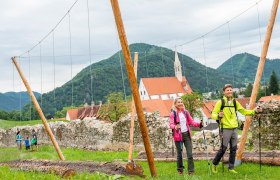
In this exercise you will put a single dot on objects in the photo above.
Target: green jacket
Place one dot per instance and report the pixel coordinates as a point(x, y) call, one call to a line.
point(229, 120)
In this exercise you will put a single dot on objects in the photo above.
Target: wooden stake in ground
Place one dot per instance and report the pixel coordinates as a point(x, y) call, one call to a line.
point(134, 87)
point(131, 134)
point(39, 110)
point(257, 81)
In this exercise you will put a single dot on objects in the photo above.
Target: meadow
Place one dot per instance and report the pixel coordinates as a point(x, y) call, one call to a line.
point(165, 170)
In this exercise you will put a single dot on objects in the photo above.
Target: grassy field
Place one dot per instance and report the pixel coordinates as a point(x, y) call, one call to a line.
point(8, 124)
point(166, 170)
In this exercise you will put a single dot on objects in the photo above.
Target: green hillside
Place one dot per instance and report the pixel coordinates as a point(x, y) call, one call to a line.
point(107, 76)
point(10, 101)
point(245, 65)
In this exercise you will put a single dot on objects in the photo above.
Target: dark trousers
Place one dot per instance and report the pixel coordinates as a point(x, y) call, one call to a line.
point(229, 137)
point(179, 147)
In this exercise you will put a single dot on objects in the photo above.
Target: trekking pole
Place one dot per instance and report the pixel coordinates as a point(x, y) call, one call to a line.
point(206, 151)
point(222, 139)
point(260, 144)
point(172, 148)
point(181, 145)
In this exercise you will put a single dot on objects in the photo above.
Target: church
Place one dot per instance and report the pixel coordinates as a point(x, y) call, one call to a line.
point(158, 93)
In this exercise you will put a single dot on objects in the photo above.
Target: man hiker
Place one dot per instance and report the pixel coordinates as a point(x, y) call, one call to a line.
point(225, 112)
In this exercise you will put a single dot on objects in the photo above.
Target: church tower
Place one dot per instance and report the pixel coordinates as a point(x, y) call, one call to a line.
point(178, 67)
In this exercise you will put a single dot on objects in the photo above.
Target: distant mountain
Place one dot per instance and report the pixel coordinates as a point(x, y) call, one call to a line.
point(10, 101)
point(245, 66)
point(106, 76)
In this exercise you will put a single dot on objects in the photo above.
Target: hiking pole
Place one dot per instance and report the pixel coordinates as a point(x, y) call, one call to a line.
point(222, 139)
point(206, 151)
point(260, 144)
point(172, 148)
point(181, 145)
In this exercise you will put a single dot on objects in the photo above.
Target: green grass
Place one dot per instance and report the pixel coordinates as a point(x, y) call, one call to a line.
point(165, 170)
point(8, 124)
point(70, 154)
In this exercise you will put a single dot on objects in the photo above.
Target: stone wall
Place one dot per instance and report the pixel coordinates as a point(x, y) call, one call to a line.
point(159, 131)
point(95, 134)
point(212, 140)
point(89, 134)
point(100, 135)
point(269, 126)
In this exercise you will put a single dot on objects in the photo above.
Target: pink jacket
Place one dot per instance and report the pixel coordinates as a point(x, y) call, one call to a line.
point(177, 135)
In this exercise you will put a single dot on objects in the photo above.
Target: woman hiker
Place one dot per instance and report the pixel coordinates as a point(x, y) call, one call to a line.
point(19, 140)
point(225, 111)
point(180, 121)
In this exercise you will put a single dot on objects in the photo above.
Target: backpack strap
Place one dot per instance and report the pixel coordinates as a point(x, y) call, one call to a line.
point(234, 104)
point(175, 117)
point(223, 104)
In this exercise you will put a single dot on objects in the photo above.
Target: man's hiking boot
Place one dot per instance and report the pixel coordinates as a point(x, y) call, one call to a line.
point(214, 168)
point(232, 171)
point(180, 172)
point(191, 173)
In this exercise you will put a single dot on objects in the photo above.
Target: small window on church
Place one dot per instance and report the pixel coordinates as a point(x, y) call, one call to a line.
point(141, 93)
point(144, 92)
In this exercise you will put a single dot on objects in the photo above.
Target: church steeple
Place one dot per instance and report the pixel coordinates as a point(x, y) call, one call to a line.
point(177, 67)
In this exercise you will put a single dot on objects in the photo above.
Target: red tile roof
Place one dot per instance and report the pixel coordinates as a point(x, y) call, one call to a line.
point(73, 114)
point(208, 107)
point(88, 111)
point(245, 102)
point(165, 85)
point(269, 98)
point(83, 112)
point(163, 106)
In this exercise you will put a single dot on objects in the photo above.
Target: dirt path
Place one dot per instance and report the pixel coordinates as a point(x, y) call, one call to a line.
point(69, 168)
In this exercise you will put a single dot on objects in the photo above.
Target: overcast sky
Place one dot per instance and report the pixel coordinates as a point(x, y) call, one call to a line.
point(167, 23)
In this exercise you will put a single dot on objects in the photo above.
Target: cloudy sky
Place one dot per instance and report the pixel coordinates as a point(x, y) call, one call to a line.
point(167, 23)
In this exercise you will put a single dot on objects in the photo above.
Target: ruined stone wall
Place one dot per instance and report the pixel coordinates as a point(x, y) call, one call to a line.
point(95, 134)
point(269, 126)
point(159, 131)
point(100, 135)
point(89, 134)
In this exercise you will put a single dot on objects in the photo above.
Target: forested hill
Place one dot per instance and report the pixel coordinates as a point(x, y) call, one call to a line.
point(10, 101)
point(107, 76)
point(245, 65)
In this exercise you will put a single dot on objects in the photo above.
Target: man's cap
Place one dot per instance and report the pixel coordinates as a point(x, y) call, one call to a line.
point(226, 86)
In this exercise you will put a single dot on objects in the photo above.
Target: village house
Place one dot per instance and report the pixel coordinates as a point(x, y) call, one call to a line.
point(84, 112)
point(269, 98)
point(158, 93)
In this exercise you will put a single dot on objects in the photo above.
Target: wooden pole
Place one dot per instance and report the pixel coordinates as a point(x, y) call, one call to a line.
point(134, 87)
point(257, 79)
point(131, 134)
point(39, 110)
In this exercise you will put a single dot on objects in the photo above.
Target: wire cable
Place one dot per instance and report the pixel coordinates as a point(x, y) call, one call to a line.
point(41, 68)
point(51, 30)
point(54, 99)
point(188, 42)
point(206, 70)
point(70, 53)
point(30, 103)
point(232, 70)
point(89, 53)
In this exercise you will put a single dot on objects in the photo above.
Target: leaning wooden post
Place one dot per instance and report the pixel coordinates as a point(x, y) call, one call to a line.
point(39, 110)
point(131, 134)
point(257, 81)
point(134, 87)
